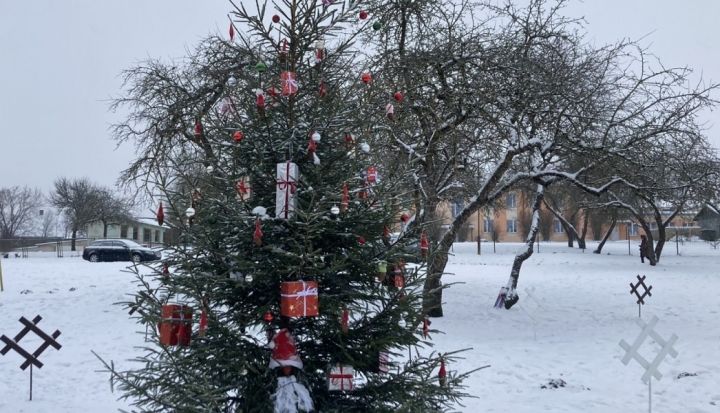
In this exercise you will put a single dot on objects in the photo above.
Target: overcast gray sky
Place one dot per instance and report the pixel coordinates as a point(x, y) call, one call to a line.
point(60, 63)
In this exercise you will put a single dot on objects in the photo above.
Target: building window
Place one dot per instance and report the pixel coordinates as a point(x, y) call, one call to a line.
point(157, 236)
point(136, 234)
point(510, 200)
point(457, 207)
point(147, 234)
point(41, 212)
point(123, 231)
point(511, 225)
point(557, 226)
point(633, 229)
point(488, 225)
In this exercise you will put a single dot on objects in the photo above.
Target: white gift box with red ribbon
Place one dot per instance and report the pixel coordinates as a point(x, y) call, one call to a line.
point(341, 378)
point(286, 189)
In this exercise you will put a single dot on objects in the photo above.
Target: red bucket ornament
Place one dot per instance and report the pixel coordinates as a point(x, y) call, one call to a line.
point(299, 299)
point(176, 325)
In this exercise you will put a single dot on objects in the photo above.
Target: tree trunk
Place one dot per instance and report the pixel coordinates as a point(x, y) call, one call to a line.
point(72, 240)
point(105, 228)
point(432, 290)
point(511, 296)
point(600, 246)
point(650, 253)
point(583, 234)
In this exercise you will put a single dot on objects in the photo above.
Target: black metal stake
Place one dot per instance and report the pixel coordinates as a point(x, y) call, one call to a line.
point(31, 382)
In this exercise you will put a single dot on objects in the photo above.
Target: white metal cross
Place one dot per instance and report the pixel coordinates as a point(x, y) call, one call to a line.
point(666, 347)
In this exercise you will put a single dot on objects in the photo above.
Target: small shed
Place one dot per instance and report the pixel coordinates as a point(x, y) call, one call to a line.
point(708, 219)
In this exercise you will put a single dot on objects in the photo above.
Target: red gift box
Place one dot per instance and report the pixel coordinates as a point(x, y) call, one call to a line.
point(299, 299)
point(288, 83)
point(341, 378)
point(175, 325)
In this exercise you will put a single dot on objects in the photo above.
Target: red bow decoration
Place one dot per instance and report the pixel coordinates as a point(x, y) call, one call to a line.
point(424, 244)
point(232, 32)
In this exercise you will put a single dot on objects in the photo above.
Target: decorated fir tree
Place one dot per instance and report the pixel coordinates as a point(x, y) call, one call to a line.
point(288, 287)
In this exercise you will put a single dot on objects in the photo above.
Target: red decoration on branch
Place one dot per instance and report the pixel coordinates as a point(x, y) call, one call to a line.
point(424, 245)
point(276, 18)
point(238, 136)
point(198, 131)
point(345, 202)
point(398, 96)
point(232, 32)
point(160, 214)
point(322, 90)
point(260, 100)
point(258, 234)
point(363, 15)
point(284, 351)
point(426, 327)
point(390, 111)
point(371, 175)
point(366, 78)
point(361, 240)
point(442, 374)
point(166, 269)
point(203, 325)
point(345, 320)
point(386, 232)
point(404, 218)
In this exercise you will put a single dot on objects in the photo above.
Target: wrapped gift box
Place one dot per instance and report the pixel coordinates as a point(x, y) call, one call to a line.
point(299, 299)
point(286, 189)
point(341, 378)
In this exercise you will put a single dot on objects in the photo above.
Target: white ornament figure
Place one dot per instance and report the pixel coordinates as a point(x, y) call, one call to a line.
point(316, 136)
point(365, 147)
point(291, 396)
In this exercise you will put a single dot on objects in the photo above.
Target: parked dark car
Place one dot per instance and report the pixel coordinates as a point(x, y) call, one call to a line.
point(119, 250)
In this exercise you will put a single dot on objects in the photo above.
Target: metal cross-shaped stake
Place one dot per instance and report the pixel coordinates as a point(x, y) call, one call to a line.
point(30, 359)
point(651, 368)
point(634, 289)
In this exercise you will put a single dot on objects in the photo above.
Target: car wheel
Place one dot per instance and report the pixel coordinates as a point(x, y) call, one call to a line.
point(94, 258)
point(136, 258)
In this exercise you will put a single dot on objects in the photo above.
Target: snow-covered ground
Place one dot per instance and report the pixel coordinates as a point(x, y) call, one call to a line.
point(581, 309)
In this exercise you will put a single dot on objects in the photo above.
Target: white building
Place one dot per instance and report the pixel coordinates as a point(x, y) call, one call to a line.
point(141, 230)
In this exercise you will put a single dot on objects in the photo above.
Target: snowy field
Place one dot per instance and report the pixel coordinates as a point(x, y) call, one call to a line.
point(569, 331)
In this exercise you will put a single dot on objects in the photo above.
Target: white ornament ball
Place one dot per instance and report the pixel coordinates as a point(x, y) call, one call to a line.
point(210, 169)
point(316, 136)
point(335, 210)
point(402, 323)
point(248, 278)
point(365, 147)
point(190, 212)
point(232, 81)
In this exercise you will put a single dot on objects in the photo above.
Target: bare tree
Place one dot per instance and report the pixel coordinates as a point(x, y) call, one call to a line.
point(112, 208)
point(17, 205)
point(78, 200)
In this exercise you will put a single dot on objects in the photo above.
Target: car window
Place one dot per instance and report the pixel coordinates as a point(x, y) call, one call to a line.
point(97, 243)
point(130, 244)
point(118, 244)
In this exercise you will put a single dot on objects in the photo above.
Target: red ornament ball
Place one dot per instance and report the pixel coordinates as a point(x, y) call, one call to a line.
point(238, 136)
point(361, 240)
point(268, 317)
point(363, 15)
point(398, 96)
point(276, 18)
point(366, 77)
point(404, 218)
